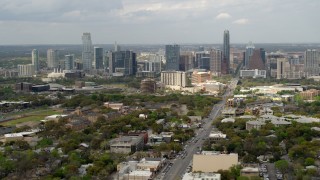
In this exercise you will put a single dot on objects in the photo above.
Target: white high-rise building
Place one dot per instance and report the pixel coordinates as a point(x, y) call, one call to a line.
point(215, 61)
point(312, 63)
point(174, 78)
point(86, 51)
point(52, 58)
point(35, 60)
point(26, 70)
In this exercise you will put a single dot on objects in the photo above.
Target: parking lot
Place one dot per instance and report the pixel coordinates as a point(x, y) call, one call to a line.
point(269, 172)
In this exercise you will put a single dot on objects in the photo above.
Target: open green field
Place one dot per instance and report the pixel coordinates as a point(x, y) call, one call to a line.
point(32, 116)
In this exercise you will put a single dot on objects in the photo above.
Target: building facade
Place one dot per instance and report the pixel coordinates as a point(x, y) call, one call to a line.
point(98, 58)
point(172, 57)
point(86, 51)
point(198, 58)
point(226, 49)
point(256, 60)
point(186, 61)
point(35, 60)
point(69, 62)
point(200, 77)
point(174, 78)
point(312, 62)
point(126, 144)
point(27, 70)
point(122, 62)
point(254, 73)
point(148, 86)
point(215, 61)
point(52, 58)
point(153, 64)
point(249, 51)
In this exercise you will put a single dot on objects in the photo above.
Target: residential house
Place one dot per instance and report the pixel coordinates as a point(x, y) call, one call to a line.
point(78, 123)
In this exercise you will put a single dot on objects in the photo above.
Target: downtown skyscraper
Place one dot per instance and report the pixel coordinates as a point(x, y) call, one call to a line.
point(312, 62)
point(249, 51)
point(35, 60)
point(226, 51)
point(98, 58)
point(216, 57)
point(172, 57)
point(69, 62)
point(86, 51)
point(122, 63)
point(52, 58)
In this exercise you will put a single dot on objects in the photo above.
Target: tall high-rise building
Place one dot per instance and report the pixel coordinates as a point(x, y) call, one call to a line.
point(249, 51)
point(200, 57)
point(186, 61)
point(283, 67)
point(52, 58)
point(204, 63)
point(256, 60)
point(69, 62)
point(215, 61)
point(312, 63)
point(153, 64)
point(86, 51)
point(122, 62)
point(226, 49)
point(98, 58)
point(172, 57)
point(35, 60)
point(116, 47)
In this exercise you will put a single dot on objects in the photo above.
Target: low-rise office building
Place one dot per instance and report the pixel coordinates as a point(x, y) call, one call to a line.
point(250, 172)
point(217, 136)
point(127, 144)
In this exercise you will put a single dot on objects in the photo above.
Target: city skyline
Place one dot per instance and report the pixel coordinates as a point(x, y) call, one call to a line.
point(159, 22)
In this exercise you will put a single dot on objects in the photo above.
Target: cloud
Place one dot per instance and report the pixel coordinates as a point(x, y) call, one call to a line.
point(56, 10)
point(242, 21)
point(223, 16)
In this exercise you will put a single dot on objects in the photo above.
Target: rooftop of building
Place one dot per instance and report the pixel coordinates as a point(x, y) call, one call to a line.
point(140, 173)
point(200, 176)
point(225, 120)
point(217, 134)
point(216, 153)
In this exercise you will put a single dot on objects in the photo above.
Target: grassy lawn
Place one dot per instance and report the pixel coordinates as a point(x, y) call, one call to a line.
point(223, 79)
point(32, 116)
point(27, 111)
point(115, 85)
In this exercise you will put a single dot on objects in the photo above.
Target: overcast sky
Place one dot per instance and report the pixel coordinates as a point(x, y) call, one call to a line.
point(159, 21)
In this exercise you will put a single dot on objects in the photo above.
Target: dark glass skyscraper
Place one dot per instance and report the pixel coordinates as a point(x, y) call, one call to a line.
point(226, 49)
point(172, 57)
point(123, 62)
point(98, 58)
point(249, 51)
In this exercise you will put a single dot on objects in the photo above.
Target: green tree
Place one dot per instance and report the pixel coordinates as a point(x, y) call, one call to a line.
point(235, 171)
point(309, 161)
point(282, 165)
